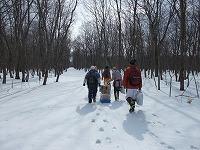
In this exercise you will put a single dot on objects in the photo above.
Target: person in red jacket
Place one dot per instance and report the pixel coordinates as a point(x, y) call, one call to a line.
point(132, 81)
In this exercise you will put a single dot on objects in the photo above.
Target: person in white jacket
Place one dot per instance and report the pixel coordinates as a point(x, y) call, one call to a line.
point(117, 82)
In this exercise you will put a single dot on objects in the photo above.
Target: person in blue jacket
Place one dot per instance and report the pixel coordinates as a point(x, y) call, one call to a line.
point(93, 80)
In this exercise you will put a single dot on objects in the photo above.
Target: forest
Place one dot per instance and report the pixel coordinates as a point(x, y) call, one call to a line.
point(162, 35)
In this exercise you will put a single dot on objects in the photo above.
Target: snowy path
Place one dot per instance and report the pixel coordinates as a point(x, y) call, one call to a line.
point(58, 117)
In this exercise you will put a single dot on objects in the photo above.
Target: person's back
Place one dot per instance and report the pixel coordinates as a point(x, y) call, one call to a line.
point(132, 78)
point(117, 82)
point(117, 77)
point(132, 81)
point(92, 77)
point(93, 80)
point(106, 75)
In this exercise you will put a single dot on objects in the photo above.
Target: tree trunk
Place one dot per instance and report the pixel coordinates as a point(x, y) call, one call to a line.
point(182, 40)
point(45, 77)
point(4, 76)
point(58, 75)
point(23, 75)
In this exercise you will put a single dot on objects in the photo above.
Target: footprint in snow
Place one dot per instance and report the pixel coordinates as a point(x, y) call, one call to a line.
point(155, 115)
point(114, 128)
point(171, 147)
point(178, 132)
point(161, 123)
point(148, 122)
point(93, 120)
point(152, 134)
point(105, 120)
point(98, 141)
point(108, 140)
point(101, 129)
point(97, 114)
point(164, 144)
point(168, 146)
point(193, 147)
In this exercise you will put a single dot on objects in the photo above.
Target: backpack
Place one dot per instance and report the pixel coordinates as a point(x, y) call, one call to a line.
point(134, 78)
point(106, 74)
point(91, 78)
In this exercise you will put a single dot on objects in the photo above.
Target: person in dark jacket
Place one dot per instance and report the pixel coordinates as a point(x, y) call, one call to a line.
point(92, 78)
point(131, 87)
point(117, 82)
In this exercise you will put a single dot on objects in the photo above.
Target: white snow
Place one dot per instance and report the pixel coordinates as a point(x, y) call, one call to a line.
point(57, 116)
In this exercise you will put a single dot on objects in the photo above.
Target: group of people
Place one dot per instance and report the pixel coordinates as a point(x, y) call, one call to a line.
point(131, 81)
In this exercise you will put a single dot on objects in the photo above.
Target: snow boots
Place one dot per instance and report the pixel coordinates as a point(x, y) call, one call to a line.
point(131, 103)
point(94, 100)
point(116, 96)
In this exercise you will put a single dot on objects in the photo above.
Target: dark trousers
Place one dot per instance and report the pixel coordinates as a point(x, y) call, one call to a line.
point(117, 89)
point(116, 93)
point(92, 92)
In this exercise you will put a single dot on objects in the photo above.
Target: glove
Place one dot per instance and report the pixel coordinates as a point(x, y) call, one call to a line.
point(83, 84)
point(99, 84)
point(139, 89)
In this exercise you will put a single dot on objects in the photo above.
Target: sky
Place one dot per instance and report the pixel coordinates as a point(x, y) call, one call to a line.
point(80, 18)
point(57, 116)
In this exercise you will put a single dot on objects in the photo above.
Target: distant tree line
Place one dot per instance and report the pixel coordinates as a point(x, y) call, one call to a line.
point(161, 34)
point(35, 35)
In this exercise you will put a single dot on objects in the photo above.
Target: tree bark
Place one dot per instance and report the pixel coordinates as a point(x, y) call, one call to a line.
point(182, 41)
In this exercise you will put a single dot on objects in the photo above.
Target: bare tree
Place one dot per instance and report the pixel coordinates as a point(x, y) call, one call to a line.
point(3, 42)
point(99, 11)
point(158, 29)
point(119, 28)
point(132, 22)
point(66, 19)
point(22, 21)
point(54, 24)
point(182, 40)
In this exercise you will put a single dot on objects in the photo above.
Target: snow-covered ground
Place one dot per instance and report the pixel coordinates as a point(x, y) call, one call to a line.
point(57, 116)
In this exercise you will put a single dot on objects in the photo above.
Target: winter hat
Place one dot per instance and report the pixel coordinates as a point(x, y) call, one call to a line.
point(92, 67)
point(95, 67)
point(132, 62)
point(114, 68)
